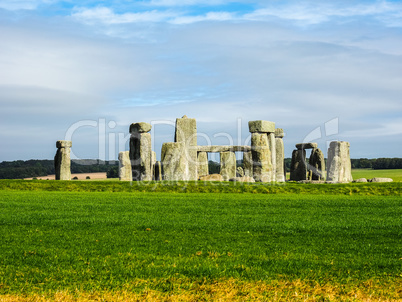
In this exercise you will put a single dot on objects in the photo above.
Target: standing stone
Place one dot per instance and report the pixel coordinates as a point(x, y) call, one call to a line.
point(228, 165)
point(141, 151)
point(298, 167)
point(262, 166)
point(125, 172)
point(239, 172)
point(339, 165)
point(174, 162)
point(153, 162)
point(261, 127)
point(272, 150)
point(316, 165)
point(186, 132)
point(62, 161)
point(202, 168)
point(280, 155)
point(248, 164)
point(158, 171)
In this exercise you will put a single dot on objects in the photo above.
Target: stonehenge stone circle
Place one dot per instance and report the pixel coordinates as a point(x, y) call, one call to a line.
point(339, 165)
point(280, 174)
point(298, 168)
point(306, 146)
point(141, 151)
point(203, 168)
point(62, 161)
point(316, 165)
point(186, 132)
point(228, 165)
point(262, 166)
point(248, 164)
point(125, 172)
point(157, 171)
point(174, 161)
point(261, 127)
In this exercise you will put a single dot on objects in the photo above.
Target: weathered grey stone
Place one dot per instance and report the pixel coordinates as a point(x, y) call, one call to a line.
point(186, 132)
point(158, 171)
point(228, 165)
point(261, 127)
point(316, 165)
point(62, 161)
point(248, 164)
point(141, 156)
point(153, 161)
point(202, 168)
point(242, 179)
point(212, 177)
point(125, 172)
point(272, 150)
point(262, 165)
point(239, 172)
point(298, 167)
point(64, 144)
point(218, 149)
point(140, 127)
point(360, 180)
point(339, 165)
point(280, 160)
point(174, 162)
point(381, 179)
point(306, 146)
point(279, 133)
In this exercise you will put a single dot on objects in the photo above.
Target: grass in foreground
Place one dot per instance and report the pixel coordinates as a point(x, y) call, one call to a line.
point(364, 189)
point(198, 246)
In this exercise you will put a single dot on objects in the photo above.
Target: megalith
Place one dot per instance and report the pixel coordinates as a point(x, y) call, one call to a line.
point(141, 151)
point(62, 161)
point(280, 156)
point(158, 171)
point(262, 165)
point(339, 165)
point(174, 162)
point(316, 165)
point(125, 172)
point(228, 165)
point(202, 168)
point(186, 133)
point(248, 164)
point(264, 135)
point(298, 168)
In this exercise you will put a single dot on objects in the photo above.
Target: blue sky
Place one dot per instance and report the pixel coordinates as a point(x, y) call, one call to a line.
point(322, 70)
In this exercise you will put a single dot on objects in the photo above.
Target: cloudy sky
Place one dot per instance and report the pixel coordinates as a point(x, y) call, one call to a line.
point(84, 70)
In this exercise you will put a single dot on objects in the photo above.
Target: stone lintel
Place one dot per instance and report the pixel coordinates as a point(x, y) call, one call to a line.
point(217, 149)
point(261, 126)
point(63, 144)
point(140, 127)
point(304, 146)
point(279, 133)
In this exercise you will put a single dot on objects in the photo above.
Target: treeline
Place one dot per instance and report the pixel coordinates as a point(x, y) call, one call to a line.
point(377, 163)
point(35, 168)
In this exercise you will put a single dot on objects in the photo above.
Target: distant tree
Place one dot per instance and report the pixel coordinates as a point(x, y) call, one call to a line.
point(112, 172)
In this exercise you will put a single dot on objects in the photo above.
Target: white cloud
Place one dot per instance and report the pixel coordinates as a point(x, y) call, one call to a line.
point(211, 16)
point(318, 12)
point(23, 4)
point(107, 16)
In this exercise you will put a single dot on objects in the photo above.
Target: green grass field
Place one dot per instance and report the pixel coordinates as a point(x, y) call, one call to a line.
point(129, 246)
point(395, 174)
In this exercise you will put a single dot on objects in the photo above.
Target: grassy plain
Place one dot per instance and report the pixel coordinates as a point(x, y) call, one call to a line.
point(65, 241)
point(395, 174)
